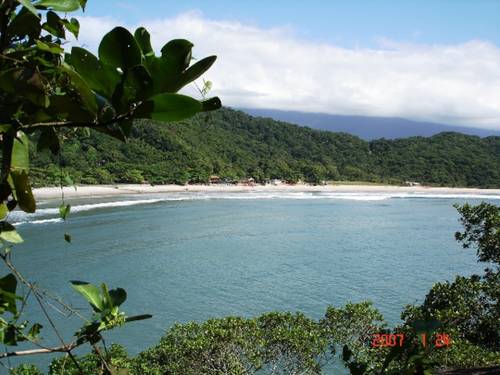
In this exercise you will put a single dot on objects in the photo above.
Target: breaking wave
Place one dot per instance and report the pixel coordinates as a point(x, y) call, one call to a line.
point(50, 215)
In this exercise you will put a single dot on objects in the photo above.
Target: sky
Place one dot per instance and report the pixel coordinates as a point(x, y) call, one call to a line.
point(435, 60)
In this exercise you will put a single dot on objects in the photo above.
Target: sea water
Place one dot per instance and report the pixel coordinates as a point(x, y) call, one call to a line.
point(193, 256)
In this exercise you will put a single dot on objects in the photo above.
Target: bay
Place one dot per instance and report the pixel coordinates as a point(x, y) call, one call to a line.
point(194, 256)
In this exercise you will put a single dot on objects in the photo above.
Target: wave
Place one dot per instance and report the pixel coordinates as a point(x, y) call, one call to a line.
point(43, 221)
point(19, 217)
point(46, 215)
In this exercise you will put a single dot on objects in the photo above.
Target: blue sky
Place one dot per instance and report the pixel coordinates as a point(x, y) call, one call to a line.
point(348, 23)
point(423, 60)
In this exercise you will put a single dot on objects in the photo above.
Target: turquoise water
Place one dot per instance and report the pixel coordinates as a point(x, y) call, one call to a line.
point(194, 256)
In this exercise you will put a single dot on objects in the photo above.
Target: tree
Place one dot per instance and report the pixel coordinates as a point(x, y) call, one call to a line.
point(482, 230)
point(467, 309)
point(51, 96)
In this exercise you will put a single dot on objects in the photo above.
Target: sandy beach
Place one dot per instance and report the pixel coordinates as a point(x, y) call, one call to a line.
point(127, 189)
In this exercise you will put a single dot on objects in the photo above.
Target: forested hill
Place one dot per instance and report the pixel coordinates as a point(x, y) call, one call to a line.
point(234, 145)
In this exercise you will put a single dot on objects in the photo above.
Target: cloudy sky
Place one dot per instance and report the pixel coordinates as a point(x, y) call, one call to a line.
point(427, 60)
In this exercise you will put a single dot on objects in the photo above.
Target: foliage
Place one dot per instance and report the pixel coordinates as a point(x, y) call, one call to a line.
point(285, 343)
point(352, 328)
point(233, 145)
point(26, 370)
point(49, 96)
point(116, 362)
point(482, 229)
point(274, 343)
point(467, 309)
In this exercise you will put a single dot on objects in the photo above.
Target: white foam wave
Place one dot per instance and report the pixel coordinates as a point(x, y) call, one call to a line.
point(46, 215)
point(43, 221)
point(19, 217)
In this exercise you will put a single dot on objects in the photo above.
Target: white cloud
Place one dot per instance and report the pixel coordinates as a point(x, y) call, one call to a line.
point(271, 68)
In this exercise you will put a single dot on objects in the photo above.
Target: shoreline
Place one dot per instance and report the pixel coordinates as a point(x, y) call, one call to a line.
point(86, 191)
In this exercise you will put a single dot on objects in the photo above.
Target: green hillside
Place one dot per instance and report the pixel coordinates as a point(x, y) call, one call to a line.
point(234, 145)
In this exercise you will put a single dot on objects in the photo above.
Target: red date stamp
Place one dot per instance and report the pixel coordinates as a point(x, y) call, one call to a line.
point(387, 340)
point(438, 340)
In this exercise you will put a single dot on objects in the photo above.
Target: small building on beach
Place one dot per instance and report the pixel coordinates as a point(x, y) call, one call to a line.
point(214, 179)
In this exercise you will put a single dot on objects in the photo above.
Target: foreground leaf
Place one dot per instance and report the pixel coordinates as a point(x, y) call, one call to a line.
point(64, 210)
point(117, 296)
point(119, 49)
point(174, 107)
point(4, 210)
point(20, 153)
point(60, 5)
point(8, 233)
point(101, 78)
point(21, 189)
point(91, 293)
point(27, 4)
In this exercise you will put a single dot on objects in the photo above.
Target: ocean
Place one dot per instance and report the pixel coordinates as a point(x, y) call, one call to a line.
point(194, 256)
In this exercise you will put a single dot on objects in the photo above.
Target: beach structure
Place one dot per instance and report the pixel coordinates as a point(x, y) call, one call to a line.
point(214, 179)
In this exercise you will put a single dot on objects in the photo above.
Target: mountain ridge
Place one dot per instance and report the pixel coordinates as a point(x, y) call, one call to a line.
point(366, 127)
point(234, 145)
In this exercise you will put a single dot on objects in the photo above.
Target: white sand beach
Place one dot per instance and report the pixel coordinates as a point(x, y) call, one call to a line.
point(127, 189)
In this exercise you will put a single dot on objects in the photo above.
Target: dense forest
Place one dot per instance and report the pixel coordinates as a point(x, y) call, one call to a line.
point(234, 145)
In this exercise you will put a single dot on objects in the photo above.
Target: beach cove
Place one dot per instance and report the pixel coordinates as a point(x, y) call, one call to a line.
point(129, 189)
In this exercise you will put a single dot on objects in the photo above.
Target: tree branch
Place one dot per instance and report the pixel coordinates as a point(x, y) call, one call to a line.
point(58, 349)
point(75, 124)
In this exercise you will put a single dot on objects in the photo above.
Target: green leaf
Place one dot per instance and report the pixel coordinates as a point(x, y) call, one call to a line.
point(20, 153)
point(170, 78)
point(59, 5)
point(34, 331)
point(10, 336)
point(119, 49)
point(174, 107)
point(54, 25)
point(90, 293)
point(167, 70)
point(67, 237)
point(25, 23)
point(211, 104)
point(143, 39)
point(196, 70)
point(3, 210)
point(73, 26)
point(21, 189)
point(8, 286)
point(53, 48)
point(138, 317)
point(8, 233)
point(101, 78)
point(117, 296)
point(136, 87)
point(64, 210)
point(84, 91)
point(8, 283)
point(27, 4)
point(106, 299)
point(177, 53)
